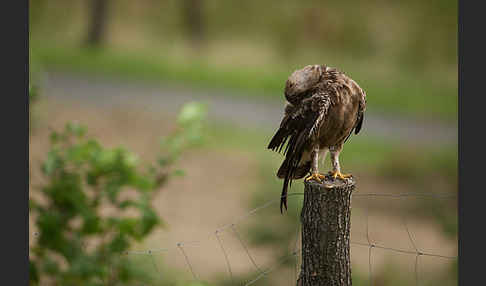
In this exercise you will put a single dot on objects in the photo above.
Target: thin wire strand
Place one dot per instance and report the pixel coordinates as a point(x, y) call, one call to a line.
point(187, 261)
point(416, 270)
point(269, 203)
point(410, 236)
point(153, 262)
point(370, 274)
point(369, 265)
point(404, 251)
point(367, 224)
point(436, 196)
point(265, 205)
point(225, 255)
point(146, 252)
point(233, 227)
point(256, 279)
point(369, 243)
point(272, 268)
point(416, 250)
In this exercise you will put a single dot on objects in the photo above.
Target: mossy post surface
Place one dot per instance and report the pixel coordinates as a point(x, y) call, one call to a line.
point(326, 222)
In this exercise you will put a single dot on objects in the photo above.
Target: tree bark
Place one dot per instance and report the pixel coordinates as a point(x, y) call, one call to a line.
point(97, 24)
point(326, 221)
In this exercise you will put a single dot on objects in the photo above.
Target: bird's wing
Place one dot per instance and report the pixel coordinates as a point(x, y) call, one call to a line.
point(361, 110)
point(300, 127)
point(360, 113)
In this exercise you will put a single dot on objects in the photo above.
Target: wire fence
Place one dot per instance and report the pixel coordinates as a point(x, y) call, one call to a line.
point(262, 272)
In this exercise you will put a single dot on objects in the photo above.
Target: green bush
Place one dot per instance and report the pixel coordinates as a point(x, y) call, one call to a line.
point(96, 201)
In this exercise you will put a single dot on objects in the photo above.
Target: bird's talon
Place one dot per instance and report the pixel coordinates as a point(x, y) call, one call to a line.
point(339, 175)
point(317, 177)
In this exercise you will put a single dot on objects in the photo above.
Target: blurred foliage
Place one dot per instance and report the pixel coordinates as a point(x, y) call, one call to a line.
point(189, 133)
point(96, 201)
point(403, 53)
point(411, 33)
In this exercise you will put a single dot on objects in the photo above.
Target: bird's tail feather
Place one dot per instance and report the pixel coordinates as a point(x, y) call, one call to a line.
point(283, 197)
point(290, 167)
point(296, 133)
point(299, 172)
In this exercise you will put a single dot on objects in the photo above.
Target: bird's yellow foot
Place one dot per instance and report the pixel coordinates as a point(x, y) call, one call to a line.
point(316, 176)
point(339, 175)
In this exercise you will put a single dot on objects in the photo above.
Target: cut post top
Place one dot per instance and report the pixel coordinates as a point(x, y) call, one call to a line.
point(330, 183)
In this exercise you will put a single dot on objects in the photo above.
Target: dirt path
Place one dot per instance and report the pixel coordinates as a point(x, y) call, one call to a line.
point(244, 111)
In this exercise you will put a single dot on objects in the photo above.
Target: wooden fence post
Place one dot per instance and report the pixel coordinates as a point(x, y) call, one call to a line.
point(326, 221)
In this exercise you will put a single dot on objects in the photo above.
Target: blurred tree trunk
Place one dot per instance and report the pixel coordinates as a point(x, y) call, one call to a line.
point(97, 23)
point(193, 21)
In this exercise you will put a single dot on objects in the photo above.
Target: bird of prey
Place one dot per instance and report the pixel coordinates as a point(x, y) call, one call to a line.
point(324, 107)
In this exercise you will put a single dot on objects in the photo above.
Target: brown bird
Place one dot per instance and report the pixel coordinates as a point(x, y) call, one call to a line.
point(324, 107)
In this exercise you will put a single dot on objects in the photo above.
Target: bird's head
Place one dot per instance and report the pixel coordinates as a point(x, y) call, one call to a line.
point(302, 80)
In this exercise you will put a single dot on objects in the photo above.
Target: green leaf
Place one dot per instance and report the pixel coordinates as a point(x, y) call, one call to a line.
point(75, 129)
point(50, 266)
point(127, 203)
point(118, 244)
point(54, 137)
point(91, 223)
point(192, 112)
point(149, 221)
point(52, 163)
point(127, 226)
point(131, 160)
